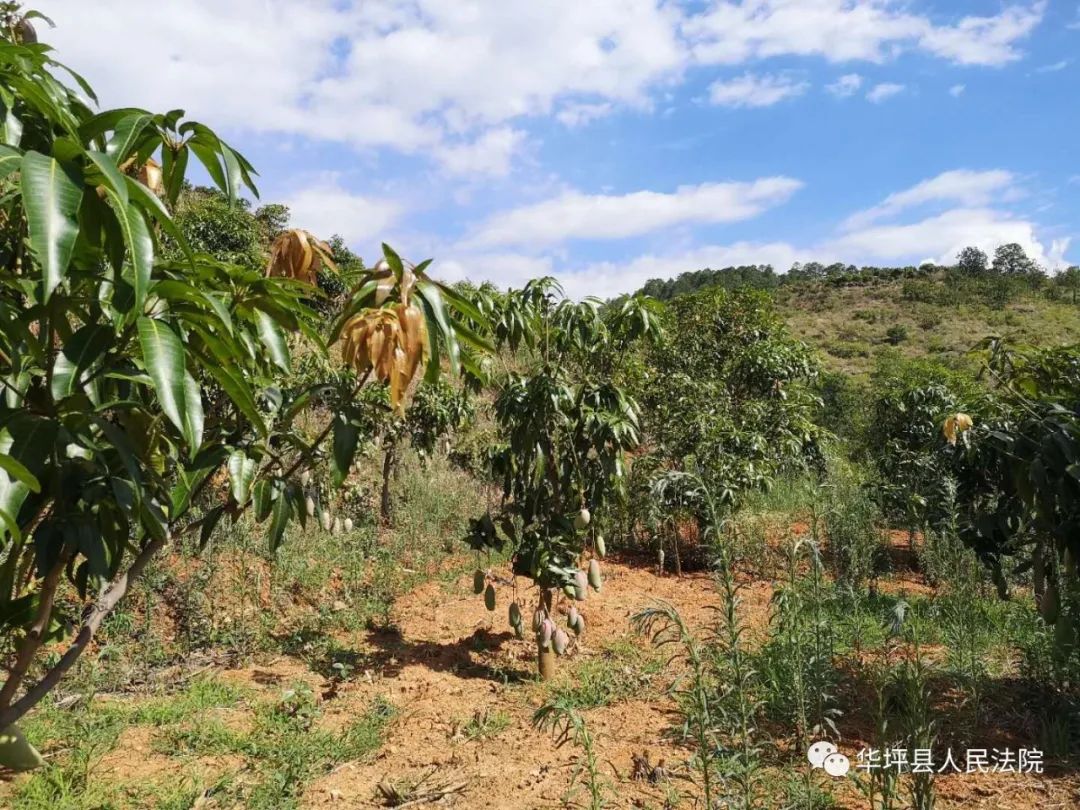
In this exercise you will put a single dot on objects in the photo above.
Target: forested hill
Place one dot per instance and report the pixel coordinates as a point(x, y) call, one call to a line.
point(854, 316)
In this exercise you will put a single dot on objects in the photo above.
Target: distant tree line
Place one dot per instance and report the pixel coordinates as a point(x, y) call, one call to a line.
point(1010, 261)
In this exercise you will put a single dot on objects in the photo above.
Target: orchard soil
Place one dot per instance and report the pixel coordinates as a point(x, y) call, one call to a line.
point(447, 664)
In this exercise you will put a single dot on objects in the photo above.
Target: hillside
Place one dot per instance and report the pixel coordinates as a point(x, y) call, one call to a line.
point(850, 325)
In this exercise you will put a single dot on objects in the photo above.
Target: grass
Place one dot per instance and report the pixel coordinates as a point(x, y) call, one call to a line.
point(485, 724)
point(282, 751)
point(623, 670)
point(850, 324)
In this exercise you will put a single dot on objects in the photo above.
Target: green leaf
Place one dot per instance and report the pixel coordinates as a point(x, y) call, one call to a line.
point(126, 135)
point(239, 392)
point(18, 471)
point(209, 159)
point(110, 172)
point(274, 339)
point(241, 475)
point(261, 496)
point(51, 196)
point(140, 245)
point(346, 437)
point(173, 170)
point(163, 357)
point(150, 203)
point(461, 303)
point(232, 171)
point(80, 351)
point(209, 523)
point(30, 441)
point(282, 514)
point(436, 311)
point(193, 425)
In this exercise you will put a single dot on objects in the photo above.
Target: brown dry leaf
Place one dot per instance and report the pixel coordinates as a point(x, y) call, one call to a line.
point(955, 425)
point(150, 176)
point(390, 342)
point(298, 254)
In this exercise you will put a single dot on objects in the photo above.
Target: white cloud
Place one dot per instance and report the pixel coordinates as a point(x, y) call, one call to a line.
point(753, 90)
point(428, 77)
point(505, 270)
point(574, 215)
point(847, 85)
point(957, 90)
point(411, 75)
point(943, 236)
point(886, 90)
point(984, 40)
point(1054, 67)
point(961, 186)
point(731, 32)
point(574, 115)
point(489, 154)
point(326, 208)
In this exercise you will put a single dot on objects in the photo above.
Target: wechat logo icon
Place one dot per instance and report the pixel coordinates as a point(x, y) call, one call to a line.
point(823, 754)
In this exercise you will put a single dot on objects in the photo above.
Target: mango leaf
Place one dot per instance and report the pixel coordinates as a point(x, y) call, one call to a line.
point(435, 310)
point(163, 358)
point(28, 440)
point(262, 499)
point(346, 437)
point(110, 172)
point(282, 515)
point(140, 245)
point(274, 339)
point(241, 475)
point(17, 470)
point(239, 392)
point(126, 135)
point(149, 201)
point(51, 195)
point(80, 352)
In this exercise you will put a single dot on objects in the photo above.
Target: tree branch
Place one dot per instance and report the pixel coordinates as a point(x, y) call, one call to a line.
point(36, 635)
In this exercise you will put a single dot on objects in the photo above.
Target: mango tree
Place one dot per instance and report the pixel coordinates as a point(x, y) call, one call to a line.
point(566, 426)
point(111, 354)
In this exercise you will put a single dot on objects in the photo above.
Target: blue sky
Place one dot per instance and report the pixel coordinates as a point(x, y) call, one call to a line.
point(609, 141)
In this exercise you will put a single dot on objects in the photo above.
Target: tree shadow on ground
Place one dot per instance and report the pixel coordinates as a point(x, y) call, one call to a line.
point(390, 653)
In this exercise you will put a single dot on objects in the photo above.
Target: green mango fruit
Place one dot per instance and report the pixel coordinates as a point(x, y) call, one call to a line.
point(515, 614)
point(601, 546)
point(489, 597)
point(478, 580)
point(582, 519)
point(594, 575)
point(581, 586)
point(16, 753)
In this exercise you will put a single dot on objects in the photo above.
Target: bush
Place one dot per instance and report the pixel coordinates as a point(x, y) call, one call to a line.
point(896, 334)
